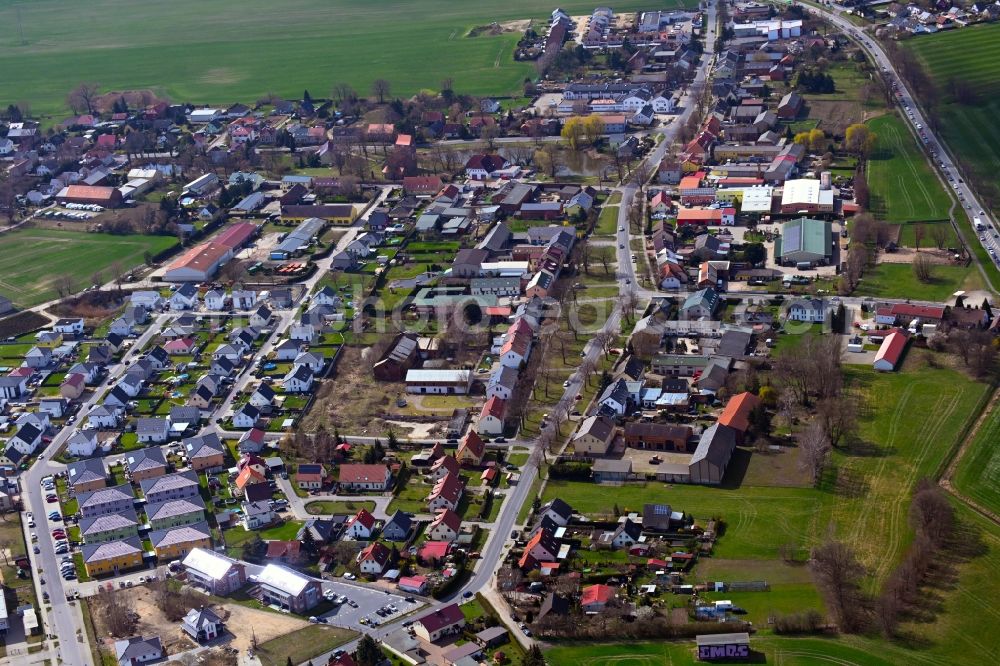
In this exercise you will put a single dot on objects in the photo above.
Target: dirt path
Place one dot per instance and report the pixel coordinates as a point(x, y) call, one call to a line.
point(949, 472)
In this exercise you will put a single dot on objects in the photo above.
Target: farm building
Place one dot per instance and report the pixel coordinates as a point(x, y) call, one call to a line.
point(438, 381)
point(891, 351)
point(201, 262)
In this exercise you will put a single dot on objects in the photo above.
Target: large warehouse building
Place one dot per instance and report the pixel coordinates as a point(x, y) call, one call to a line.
point(201, 262)
point(804, 241)
point(109, 197)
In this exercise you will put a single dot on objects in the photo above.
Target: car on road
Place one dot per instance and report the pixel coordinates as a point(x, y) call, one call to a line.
point(467, 594)
point(349, 576)
point(566, 384)
point(51, 498)
point(36, 550)
point(621, 246)
point(622, 228)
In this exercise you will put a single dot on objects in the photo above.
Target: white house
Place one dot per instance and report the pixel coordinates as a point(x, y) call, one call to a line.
point(152, 430)
point(104, 416)
point(185, 298)
point(72, 326)
point(491, 418)
point(663, 103)
point(151, 300)
point(246, 417)
point(215, 300)
point(374, 559)
point(615, 397)
point(811, 310)
point(312, 360)
point(26, 439)
point(298, 380)
point(360, 526)
point(82, 443)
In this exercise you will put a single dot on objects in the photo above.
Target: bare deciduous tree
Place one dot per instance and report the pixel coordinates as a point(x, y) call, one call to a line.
point(814, 444)
point(923, 270)
point(838, 573)
point(83, 98)
point(381, 89)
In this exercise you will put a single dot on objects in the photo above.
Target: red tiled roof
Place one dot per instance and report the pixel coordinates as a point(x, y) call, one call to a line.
point(442, 617)
point(923, 311)
point(376, 552)
point(495, 407)
point(473, 443)
point(449, 519)
point(434, 550)
point(363, 517)
point(597, 594)
point(892, 347)
point(279, 549)
point(362, 473)
point(737, 412)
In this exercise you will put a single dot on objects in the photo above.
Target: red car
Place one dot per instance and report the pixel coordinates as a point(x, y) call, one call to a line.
point(59, 534)
point(51, 498)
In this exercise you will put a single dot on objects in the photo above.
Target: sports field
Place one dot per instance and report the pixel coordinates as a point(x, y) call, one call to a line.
point(903, 186)
point(218, 52)
point(978, 473)
point(33, 259)
point(969, 55)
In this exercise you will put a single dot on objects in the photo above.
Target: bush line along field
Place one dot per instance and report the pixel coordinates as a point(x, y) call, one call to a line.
point(33, 259)
point(207, 53)
point(968, 55)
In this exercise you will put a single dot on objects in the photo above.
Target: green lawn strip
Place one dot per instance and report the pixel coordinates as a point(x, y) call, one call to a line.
point(237, 536)
point(326, 507)
point(303, 644)
point(607, 222)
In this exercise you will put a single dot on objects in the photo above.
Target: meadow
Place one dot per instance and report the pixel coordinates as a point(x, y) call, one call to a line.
point(903, 186)
point(890, 280)
point(207, 52)
point(33, 259)
point(968, 55)
point(977, 475)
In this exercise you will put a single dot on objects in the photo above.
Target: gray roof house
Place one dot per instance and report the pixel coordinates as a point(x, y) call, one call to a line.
point(710, 459)
point(138, 650)
point(398, 526)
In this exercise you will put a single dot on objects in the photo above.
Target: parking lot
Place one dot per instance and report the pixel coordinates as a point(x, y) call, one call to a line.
point(368, 601)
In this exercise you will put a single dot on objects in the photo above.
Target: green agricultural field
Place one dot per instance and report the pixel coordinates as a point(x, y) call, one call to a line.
point(903, 186)
point(969, 57)
point(34, 259)
point(209, 53)
point(978, 473)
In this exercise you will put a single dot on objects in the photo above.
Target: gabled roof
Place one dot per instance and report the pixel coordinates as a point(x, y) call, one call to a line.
point(445, 616)
point(449, 519)
point(737, 412)
point(176, 507)
point(364, 517)
point(173, 481)
point(597, 594)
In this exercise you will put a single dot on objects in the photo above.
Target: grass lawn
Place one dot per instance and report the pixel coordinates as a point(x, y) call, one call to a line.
point(303, 644)
point(978, 472)
point(35, 258)
point(220, 60)
point(903, 186)
point(897, 281)
point(607, 223)
point(284, 532)
point(324, 507)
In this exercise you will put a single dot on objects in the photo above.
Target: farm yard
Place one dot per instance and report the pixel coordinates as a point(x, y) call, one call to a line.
point(968, 56)
point(200, 53)
point(903, 186)
point(34, 259)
